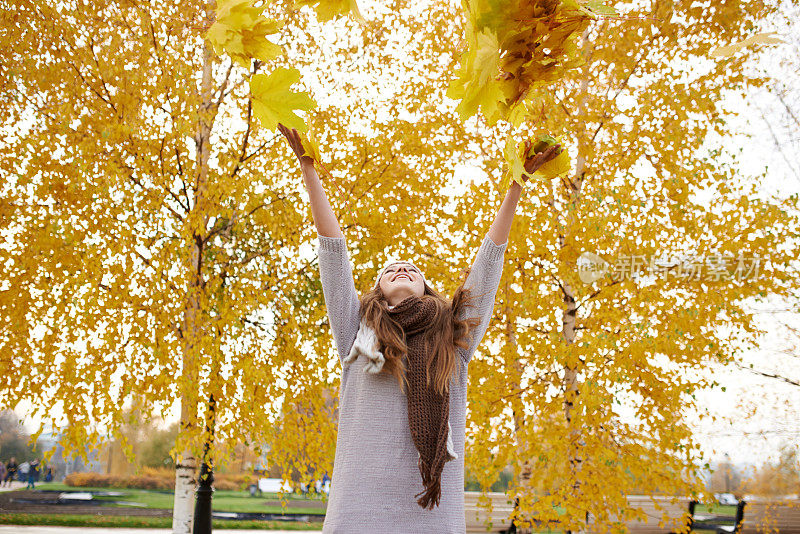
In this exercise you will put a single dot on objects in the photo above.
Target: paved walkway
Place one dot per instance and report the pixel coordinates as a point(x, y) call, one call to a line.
point(11, 529)
point(15, 485)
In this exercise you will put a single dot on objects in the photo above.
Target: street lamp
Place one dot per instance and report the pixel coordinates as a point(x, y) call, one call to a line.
point(202, 505)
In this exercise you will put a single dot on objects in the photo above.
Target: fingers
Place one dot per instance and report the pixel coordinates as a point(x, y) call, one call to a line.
point(296, 137)
point(291, 135)
point(551, 152)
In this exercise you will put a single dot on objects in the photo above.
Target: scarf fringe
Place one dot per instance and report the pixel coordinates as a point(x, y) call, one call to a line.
point(432, 493)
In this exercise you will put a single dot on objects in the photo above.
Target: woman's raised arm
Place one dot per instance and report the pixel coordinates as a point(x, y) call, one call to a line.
point(335, 269)
point(487, 269)
point(324, 218)
point(501, 226)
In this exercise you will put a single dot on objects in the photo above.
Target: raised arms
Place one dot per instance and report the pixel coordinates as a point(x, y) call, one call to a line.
point(324, 218)
point(335, 270)
point(501, 226)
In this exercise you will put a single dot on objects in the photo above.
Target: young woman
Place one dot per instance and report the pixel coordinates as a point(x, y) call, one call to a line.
point(404, 350)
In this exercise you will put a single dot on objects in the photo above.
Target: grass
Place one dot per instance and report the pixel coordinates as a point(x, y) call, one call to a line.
point(223, 501)
point(67, 520)
point(717, 509)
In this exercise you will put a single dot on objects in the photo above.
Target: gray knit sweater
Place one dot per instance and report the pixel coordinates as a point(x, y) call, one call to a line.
point(375, 473)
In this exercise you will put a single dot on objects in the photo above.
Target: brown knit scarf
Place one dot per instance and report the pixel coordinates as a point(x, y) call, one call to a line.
point(428, 411)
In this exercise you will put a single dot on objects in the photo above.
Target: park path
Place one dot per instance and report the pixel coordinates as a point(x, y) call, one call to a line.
point(15, 485)
point(13, 529)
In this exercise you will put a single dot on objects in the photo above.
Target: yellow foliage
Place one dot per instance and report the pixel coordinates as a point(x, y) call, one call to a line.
point(328, 9)
point(582, 387)
point(274, 102)
point(512, 49)
point(152, 242)
point(241, 32)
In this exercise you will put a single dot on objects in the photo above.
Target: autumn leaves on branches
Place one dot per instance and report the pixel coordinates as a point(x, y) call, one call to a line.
point(513, 50)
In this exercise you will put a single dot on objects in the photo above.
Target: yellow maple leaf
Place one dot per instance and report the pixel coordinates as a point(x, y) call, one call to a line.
point(513, 152)
point(274, 102)
point(311, 146)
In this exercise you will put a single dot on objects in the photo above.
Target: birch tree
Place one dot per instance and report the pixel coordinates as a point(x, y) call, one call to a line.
point(146, 224)
point(153, 227)
point(584, 380)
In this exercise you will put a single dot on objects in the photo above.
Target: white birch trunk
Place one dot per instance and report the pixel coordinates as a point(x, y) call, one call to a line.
point(570, 312)
point(186, 468)
point(185, 486)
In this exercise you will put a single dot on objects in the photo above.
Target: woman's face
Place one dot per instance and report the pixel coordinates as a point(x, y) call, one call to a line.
point(399, 281)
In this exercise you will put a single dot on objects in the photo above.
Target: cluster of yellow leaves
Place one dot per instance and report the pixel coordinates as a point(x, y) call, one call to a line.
point(514, 48)
point(328, 9)
point(240, 30)
point(516, 153)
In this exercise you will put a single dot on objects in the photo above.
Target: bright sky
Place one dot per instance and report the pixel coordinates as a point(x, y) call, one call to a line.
point(758, 415)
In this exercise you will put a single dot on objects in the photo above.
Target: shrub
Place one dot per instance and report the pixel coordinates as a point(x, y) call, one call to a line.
point(100, 480)
point(153, 478)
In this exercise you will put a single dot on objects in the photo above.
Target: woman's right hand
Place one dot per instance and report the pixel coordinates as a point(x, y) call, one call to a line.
point(293, 136)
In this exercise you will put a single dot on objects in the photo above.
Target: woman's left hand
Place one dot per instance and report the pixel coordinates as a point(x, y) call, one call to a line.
point(537, 160)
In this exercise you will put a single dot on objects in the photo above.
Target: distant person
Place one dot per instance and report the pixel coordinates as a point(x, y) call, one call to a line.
point(23, 471)
point(48, 477)
point(33, 474)
point(11, 471)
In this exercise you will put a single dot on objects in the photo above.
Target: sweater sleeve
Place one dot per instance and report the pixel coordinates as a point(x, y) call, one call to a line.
point(339, 291)
point(483, 281)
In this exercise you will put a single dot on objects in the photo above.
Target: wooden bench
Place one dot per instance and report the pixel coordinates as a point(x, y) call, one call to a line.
point(769, 516)
point(678, 515)
point(476, 515)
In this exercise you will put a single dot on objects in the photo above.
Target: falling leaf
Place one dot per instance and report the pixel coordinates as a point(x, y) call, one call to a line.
point(759, 38)
point(274, 102)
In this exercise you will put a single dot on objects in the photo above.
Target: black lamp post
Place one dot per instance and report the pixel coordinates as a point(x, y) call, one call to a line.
point(202, 505)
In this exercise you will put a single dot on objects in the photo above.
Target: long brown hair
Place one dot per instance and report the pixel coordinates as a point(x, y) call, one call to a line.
point(445, 333)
